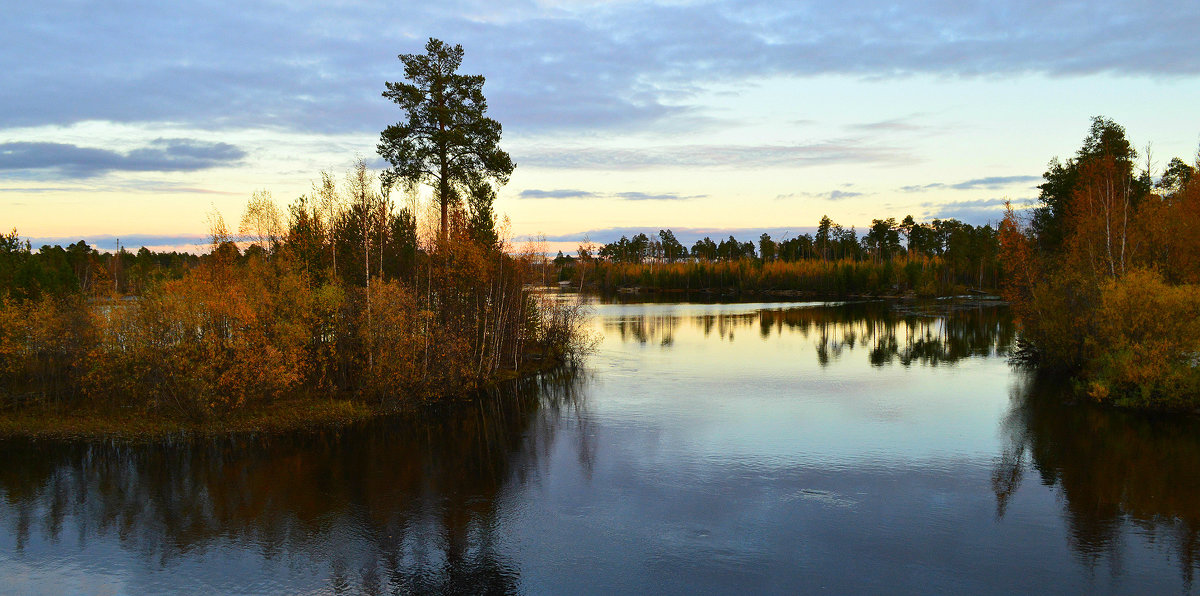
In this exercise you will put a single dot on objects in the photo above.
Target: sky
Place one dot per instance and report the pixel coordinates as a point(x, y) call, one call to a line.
point(137, 120)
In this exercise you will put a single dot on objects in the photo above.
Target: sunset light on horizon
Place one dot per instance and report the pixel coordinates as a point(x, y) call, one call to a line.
point(135, 121)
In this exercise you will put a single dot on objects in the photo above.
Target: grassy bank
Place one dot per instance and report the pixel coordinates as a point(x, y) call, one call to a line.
point(40, 419)
point(53, 421)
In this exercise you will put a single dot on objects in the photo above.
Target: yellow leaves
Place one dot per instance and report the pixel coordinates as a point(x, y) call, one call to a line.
point(44, 345)
point(10, 340)
point(329, 298)
point(1171, 225)
point(262, 221)
point(394, 338)
point(1098, 391)
point(1138, 341)
point(830, 277)
point(1112, 305)
point(200, 344)
point(1101, 237)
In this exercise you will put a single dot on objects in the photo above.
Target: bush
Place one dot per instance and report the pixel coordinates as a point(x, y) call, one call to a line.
point(45, 346)
point(1145, 343)
point(210, 342)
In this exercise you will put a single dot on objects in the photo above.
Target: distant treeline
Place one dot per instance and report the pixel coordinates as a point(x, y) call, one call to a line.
point(80, 268)
point(1104, 275)
point(341, 295)
point(927, 258)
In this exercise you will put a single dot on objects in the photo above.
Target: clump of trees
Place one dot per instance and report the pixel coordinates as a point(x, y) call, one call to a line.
point(340, 296)
point(1103, 275)
point(944, 256)
point(341, 293)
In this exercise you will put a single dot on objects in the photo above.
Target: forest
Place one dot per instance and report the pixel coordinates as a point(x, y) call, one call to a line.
point(936, 258)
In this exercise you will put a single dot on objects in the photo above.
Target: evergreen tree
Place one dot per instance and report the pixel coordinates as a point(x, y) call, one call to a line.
point(445, 140)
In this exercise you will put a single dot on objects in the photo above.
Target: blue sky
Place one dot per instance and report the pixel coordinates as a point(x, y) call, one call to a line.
point(137, 119)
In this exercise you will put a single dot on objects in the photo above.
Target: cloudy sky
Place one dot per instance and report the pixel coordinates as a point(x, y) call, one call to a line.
point(135, 120)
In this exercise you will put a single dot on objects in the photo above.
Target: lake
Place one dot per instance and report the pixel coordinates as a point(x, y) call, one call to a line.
point(703, 448)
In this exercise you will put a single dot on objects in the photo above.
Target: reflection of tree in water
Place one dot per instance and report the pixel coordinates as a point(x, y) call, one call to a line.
point(933, 334)
point(407, 504)
point(1116, 470)
point(644, 328)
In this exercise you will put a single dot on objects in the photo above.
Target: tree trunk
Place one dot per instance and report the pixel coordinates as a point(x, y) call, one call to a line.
point(444, 199)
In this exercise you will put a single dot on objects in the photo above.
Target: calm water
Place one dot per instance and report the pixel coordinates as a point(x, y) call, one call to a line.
point(778, 448)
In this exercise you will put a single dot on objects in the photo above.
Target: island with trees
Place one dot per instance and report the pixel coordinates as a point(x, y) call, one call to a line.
point(336, 309)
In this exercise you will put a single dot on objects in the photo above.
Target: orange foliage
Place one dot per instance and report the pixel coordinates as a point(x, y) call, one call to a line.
point(1017, 254)
point(1145, 345)
point(209, 342)
point(44, 345)
point(1100, 219)
point(1118, 304)
point(239, 331)
point(1171, 225)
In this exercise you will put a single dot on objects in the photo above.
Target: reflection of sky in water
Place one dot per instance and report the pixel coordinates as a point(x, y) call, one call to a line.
point(733, 457)
point(746, 465)
point(771, 398)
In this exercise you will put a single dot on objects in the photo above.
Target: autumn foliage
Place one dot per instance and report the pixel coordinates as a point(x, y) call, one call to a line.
point(904, 274)
point(1103, 280)
point(268, 317)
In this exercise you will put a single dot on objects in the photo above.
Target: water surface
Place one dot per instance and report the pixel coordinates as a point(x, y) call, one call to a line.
point(704, 448)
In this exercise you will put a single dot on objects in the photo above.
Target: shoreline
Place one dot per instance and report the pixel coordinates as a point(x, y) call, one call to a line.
point(638, 291)
point(65, 422)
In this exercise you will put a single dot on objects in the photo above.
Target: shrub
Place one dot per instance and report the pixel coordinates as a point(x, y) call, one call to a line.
point(1145, 342)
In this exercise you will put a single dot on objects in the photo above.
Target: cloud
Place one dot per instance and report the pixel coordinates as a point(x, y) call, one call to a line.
point(830, 195)
point(172, 188)
point(685, 235)
point(974, 212)
point(131, 242)
point(891, 125)
point(26, 160)
point(321, 66)
point(533, 193)
point(36, 189)
point(670, 196)
point(991, 183)
point(994, 182)
point(123, 186)
point(835, 195)
point(716, 156)
point(583, 194)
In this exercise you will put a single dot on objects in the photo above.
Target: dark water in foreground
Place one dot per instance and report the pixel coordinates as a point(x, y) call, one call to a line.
point(706, 449)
